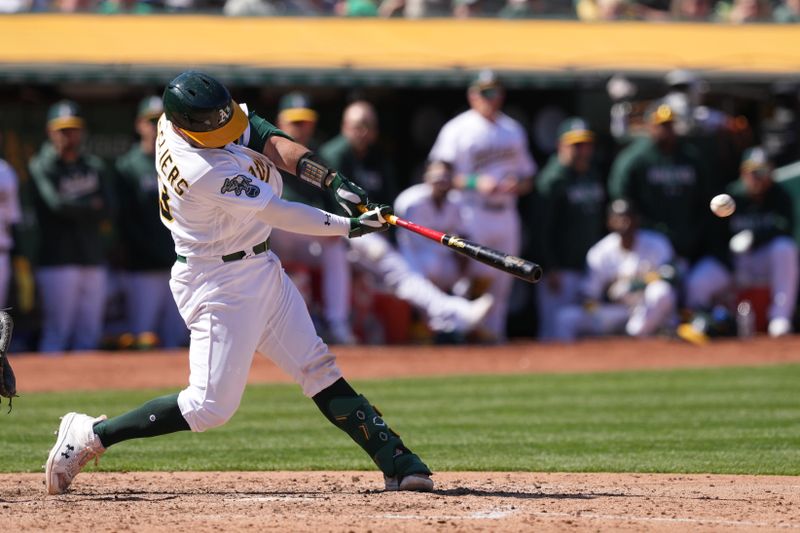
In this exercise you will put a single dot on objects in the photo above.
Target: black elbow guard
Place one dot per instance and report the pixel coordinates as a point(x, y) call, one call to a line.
point(311, 169)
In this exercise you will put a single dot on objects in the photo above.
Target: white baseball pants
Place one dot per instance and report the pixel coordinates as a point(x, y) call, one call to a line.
point(233, 310)
point(550, 302)
point(498, 229)
point(444, 311)
point(73, 303)
point(774, 264)
point(641, 320)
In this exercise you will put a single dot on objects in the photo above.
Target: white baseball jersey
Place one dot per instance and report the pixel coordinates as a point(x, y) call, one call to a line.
point(9, 204)
point(608, 261)
point(425, 256)
point(498, 148)
point(209, 200)
point(209, 197)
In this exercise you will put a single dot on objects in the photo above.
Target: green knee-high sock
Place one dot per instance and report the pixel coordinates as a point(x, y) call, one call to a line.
point(157, 417)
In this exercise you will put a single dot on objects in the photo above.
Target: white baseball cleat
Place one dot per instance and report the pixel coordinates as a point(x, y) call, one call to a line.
point(415, 482)
point(475, 312)
point(76, 445)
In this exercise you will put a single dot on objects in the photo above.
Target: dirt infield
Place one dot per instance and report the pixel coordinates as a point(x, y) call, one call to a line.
point(352, 501)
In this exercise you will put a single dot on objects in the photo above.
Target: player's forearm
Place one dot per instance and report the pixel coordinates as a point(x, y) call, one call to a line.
point(284, 153)
point(301, 218)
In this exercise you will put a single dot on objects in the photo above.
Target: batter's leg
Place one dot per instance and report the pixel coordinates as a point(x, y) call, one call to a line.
point(353, 414)
point(292, 343)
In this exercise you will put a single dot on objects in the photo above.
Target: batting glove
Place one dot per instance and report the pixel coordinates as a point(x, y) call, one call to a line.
point(347, 194)
point(370, 221)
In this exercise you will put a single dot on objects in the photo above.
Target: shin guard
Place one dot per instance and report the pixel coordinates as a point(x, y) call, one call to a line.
point(365, 425)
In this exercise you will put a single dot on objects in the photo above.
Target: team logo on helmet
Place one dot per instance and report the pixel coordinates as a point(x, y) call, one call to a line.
point(240, 184)
point(224, 114)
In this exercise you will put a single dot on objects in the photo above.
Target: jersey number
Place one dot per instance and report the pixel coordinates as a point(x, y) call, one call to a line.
point(163, 204)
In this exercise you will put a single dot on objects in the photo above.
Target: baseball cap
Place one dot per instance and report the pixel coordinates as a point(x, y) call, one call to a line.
point(296, 107)
point(660, 114)
point(64, 114)
point(150, 107)
point(755, 158)
point(485, 79)
point(575, 130)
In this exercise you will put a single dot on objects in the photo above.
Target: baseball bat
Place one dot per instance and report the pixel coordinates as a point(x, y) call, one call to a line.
point(516, 266)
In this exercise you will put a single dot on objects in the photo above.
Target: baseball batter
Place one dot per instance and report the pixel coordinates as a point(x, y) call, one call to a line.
point(220, 196)
point(489, 152)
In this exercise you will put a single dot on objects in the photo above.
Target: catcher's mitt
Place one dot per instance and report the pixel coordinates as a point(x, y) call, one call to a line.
point(8, 382)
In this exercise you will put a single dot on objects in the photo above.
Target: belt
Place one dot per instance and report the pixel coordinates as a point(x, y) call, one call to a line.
point(259, 248)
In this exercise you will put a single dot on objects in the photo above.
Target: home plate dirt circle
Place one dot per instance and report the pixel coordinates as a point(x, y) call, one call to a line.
point(352, 501)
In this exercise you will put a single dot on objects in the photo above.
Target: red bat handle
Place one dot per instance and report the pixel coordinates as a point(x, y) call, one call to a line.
point(416, 228)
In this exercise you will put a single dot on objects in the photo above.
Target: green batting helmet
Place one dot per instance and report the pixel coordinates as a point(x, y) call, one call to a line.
point(202, 108)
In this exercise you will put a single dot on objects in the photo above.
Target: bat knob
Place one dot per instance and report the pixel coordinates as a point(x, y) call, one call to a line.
point(535, 273)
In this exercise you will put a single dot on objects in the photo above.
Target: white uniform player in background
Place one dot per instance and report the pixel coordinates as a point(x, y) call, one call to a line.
point(221, 199)
point(431, 204)
point(10, 214)
point(624, 287)
point(445, 313)
point(493, 166)
point(297, 117)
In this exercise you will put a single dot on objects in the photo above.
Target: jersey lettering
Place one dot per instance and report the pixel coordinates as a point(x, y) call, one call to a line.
point(259, 169)
point(173, 177)
point(163, 204)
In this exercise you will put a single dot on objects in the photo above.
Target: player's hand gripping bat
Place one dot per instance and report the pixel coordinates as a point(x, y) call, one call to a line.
point(516, 266)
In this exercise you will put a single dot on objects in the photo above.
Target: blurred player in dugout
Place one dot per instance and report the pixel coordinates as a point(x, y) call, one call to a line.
point(148, 252)
point(72, 204)
point(432, 204)
point(298, 118)
point(670, 184)
point(493, 167)
point(356, 152)
point(760, 230)
point(572, 197)
point(628, 287)
point(446, 314)
point(10, 214)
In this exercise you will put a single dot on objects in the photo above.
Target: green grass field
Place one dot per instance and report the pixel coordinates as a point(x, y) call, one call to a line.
point(732, 420)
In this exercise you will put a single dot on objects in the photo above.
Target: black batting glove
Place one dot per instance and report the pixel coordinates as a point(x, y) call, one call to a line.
point(372, 220)
point(347, 194)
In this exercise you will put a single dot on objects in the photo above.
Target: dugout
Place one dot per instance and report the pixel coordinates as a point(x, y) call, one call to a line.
point(414, 71)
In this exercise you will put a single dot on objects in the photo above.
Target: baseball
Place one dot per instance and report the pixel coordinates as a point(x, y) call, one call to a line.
point(723, 205)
